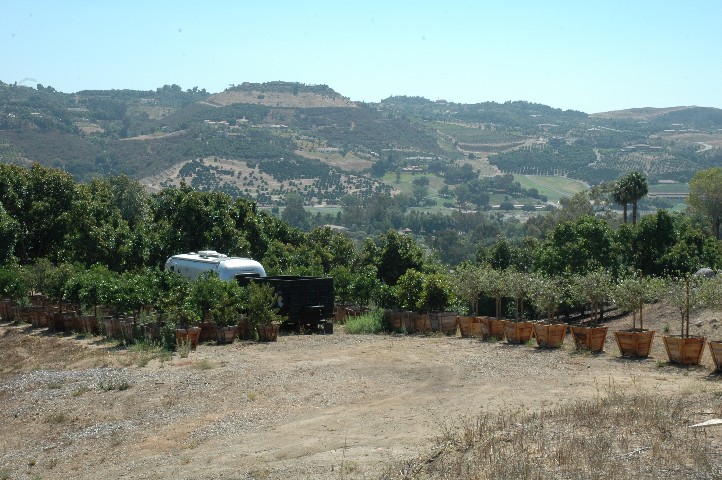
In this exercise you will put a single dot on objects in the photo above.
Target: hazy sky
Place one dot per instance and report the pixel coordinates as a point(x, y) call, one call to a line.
point(585, 55)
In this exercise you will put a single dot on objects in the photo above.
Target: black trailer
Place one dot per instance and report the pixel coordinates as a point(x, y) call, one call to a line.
point(307, 302)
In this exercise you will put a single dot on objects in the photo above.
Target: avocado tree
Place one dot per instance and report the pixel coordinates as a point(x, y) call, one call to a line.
point(593, 289)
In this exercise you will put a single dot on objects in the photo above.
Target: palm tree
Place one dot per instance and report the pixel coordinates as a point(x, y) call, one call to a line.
point(637, 184)
point(620, 194)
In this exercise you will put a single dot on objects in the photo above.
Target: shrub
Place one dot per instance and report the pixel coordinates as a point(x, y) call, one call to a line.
point(372, 322)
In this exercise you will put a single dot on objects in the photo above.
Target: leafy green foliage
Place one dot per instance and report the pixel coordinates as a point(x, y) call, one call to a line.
point(368, 323)
point(262, 304)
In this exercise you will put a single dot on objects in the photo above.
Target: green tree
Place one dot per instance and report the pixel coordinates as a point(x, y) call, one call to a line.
point(547, 294)
point(636, 187)
point(516, 285)
point(467, 284)
point(410, 288)
point(392, 254)
point(9, 234)
point(621, 195)
point(577, 247)
point(593, 289)
point(435, 294)
point(295, 214)
point(705, 196)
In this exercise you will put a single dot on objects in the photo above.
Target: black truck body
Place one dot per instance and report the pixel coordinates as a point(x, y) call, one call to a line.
point(307, 302)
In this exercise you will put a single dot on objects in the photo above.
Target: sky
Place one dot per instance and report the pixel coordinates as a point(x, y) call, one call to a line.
point(592, 56)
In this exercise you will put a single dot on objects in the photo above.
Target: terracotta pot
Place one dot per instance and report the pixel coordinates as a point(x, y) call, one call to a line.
point(518, 332)
point(268, 332)
point(715, 348)
point(634, 343)
point(190, 334)
point(589, 338)
point(469, 326)
point(492, 328)
point(550, 335)
point(684, 351)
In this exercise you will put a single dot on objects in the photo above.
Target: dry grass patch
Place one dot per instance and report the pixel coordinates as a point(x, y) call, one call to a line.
point(619, 436)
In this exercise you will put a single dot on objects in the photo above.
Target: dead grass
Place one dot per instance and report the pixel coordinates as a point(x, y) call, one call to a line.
point(616, 436)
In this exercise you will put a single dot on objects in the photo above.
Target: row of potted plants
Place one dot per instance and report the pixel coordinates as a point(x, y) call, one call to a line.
point(632, 343)
point(220, 310)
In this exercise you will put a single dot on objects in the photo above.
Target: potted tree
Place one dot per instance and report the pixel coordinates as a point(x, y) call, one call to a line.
point(713, 298)
point(591, 288)
point(547, 294)
point(517, 286)
point(262, 311)
point(207, 292)
point(492, 283)
point(186, 319)
point(467, 284)
point(685, 294)
point(435, 297)
point(630, 294)
point(226, 312)
point(408, 290)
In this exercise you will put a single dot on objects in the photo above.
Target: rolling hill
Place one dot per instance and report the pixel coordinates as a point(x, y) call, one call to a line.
point(262, 141)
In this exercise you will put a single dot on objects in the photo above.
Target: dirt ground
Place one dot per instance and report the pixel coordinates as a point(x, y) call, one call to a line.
point(336, 406)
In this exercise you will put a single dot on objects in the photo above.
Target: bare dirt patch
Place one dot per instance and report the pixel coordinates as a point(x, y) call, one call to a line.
point(337, 406)
point(279, 99)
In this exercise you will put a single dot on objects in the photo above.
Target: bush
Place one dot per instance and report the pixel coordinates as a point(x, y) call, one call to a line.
point(368, 323)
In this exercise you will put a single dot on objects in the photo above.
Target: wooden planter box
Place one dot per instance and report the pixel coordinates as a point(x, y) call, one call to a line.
point(22, 314)
point(111, 327)
point(492, 328)
point(89, 324)
point(72, 322)
point(246, 330)
point(152, 332)
point(226, 334)
point(6, 310)
point(634, 343)
point(190, 334)
point(550, 335)
point(715, 348)
point(469, 326)
point(589, 338)
point(268, 332)
point(422, 323)
point(394, 319)
point(208, 331)
point(444, 322)
point(127, 329)
point(518, 332)
point(684, 351)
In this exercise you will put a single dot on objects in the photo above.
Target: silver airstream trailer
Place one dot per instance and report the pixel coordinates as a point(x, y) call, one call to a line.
point(192, 264)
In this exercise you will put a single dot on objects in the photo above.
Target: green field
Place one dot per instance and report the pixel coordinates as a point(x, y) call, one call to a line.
point(552, 186)
point(669, 188)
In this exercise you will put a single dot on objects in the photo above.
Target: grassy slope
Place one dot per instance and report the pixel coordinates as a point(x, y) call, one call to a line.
point(552, 186)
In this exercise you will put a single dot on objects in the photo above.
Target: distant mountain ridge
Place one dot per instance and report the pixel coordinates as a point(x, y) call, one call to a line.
point(278, 137)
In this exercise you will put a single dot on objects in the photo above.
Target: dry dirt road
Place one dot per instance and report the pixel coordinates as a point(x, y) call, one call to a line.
point(337, 406)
